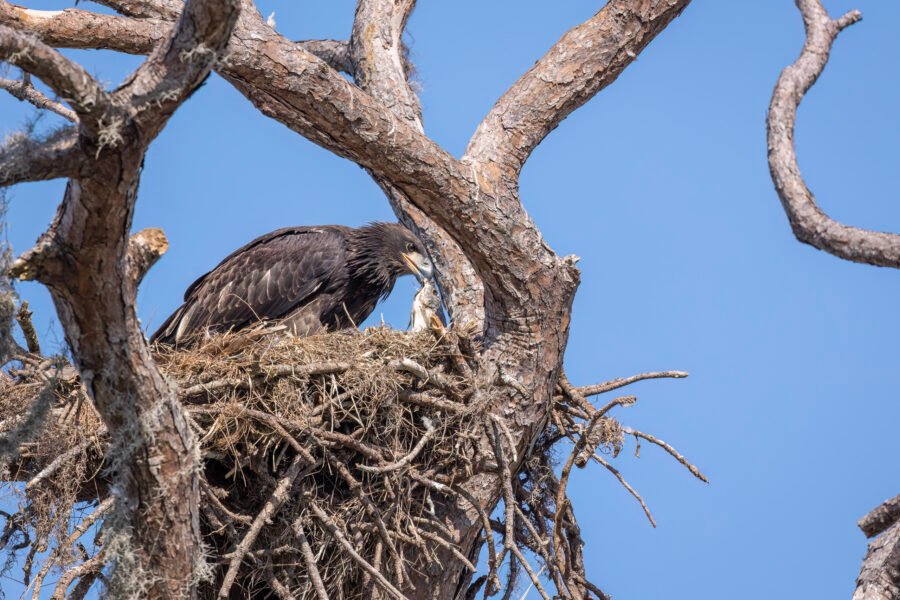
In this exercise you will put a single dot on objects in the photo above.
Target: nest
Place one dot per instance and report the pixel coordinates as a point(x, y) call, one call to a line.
point(326, 462)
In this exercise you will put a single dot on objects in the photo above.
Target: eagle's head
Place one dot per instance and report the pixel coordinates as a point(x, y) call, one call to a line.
point(389, 250)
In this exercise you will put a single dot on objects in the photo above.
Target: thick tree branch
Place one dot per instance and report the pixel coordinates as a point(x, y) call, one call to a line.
point(24, 158)
point(74, 28)
point(809, 223)
point(380, 67)
point(84, 259)
point(584, 61)
point(334, 53)
point(376, 49)
point(146, 9)
point(174, 69)
point(23, 90)
point(881, 518)
point(144, 249)
point(879, 576)
point(68, 79)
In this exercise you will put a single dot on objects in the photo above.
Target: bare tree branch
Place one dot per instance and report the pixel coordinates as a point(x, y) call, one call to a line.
point(380, 67)
point(879, 576)
point(881, 518)
point(23, 90)
point(24, 158)
point(146, 9)
point(377, 51)
point(810, 224)
point(144, 249)
point(69, 80)
point(74, 28)
point(584, 61)
point(335, 53)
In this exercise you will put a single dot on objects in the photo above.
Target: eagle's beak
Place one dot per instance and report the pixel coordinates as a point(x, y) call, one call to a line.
point(419, 265)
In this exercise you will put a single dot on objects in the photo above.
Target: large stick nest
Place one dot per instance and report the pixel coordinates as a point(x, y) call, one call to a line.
point(326, 463)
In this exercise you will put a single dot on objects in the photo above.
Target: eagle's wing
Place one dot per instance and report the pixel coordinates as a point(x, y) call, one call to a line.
point(266, 279)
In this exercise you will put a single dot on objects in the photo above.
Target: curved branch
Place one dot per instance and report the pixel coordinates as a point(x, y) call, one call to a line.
point(23, 158)
point(377, 52)
point(74, 28)
point(335, 53)
point(809, 223)
point(584, 61)
point(381, 68)
point(24, 91)
point(68, 79)
point(173, 71)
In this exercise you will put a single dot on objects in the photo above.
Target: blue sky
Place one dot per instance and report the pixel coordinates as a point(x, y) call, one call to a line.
point(661, 185)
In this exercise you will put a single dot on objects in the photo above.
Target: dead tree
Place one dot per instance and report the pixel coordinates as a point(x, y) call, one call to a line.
point(499, 375)
point(879, 577)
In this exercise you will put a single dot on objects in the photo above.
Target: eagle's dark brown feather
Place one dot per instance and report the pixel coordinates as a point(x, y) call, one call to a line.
point(314, 278)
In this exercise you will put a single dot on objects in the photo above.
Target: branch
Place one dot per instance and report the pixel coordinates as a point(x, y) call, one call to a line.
point(614, 384)
point(73, 28)
point(334, 53)
point(809, 223)
point(24, 158)
point(145, 9)
point(879, 576)
point(66, 78)
point(23, 90)
point(377, 53)
point(174, 70)
point(584, 61)
point(881, 518)
point(144, 249)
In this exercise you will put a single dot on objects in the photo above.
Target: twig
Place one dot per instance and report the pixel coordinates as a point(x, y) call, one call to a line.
point(24, 90)
point(413, 368)
point(23, 317)
point(600, 388)
point(429, 433)
point(61, 460)
point(620, 401)
point(348, 547)
point(86, 523)
point(309, 560)
point(694, 470)
point(278, 497)
point(625, 484)
point(92, 566)
point(420, 399)
point(274, 372)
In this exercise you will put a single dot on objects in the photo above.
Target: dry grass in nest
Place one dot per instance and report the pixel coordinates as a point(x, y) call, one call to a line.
point(326, 463)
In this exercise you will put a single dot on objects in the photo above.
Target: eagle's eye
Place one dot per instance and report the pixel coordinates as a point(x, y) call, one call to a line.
point(410, 247)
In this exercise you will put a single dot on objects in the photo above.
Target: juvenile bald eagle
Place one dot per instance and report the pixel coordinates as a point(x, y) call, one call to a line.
point(315, 279)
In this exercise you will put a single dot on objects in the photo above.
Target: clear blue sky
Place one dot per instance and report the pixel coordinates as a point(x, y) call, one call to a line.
point(660, 184)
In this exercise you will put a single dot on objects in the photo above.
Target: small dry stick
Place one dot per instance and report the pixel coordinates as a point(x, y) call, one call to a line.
point(24, 90)
point(278, 497)
point(694, 470)
point(620, 401)
point(86, 523)
point(61, 460)
point(348, 547)
point(413, 368)
point(309, 560)
point(91, 566)
point(600, 388)
point(23, 318)
point(624, 483)
point(429, 433)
